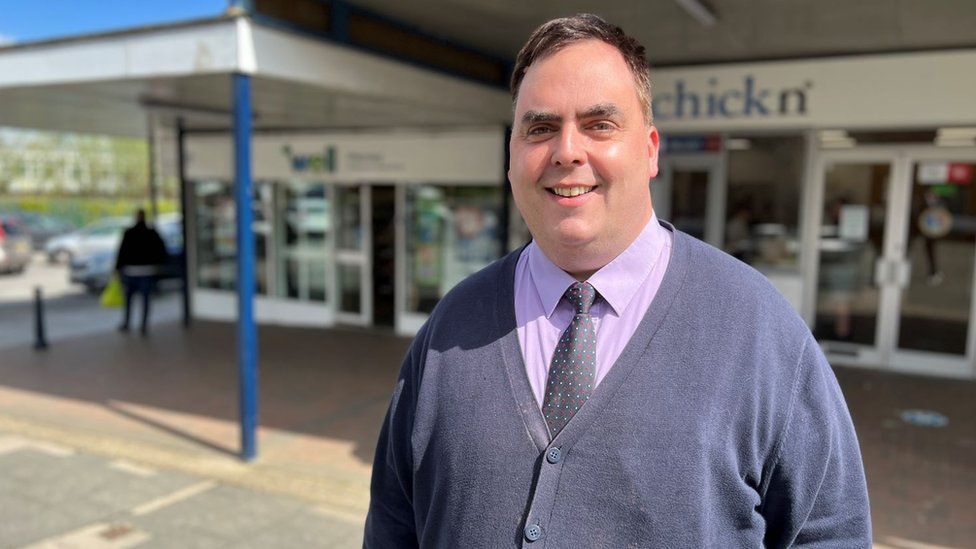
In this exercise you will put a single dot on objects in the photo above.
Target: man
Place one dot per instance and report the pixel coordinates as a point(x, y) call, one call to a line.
point(141, 255)
point(615, 383)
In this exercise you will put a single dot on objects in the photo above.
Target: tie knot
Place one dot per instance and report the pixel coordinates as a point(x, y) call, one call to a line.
point(581, 295)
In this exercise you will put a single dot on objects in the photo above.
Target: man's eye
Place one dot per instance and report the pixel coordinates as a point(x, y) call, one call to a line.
point(539, 130)
point(601, 126)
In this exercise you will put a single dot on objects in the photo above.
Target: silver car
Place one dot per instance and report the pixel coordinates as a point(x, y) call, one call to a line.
point(100, 235)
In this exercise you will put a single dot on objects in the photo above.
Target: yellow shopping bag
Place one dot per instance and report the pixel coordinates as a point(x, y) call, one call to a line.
point(112, 296)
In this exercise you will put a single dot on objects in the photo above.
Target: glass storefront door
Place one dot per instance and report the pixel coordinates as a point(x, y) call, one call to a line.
point(302, 247)
point(353, 254)
point(896, 257)
point(935, 303)
point(851, 251)
point(690, 193)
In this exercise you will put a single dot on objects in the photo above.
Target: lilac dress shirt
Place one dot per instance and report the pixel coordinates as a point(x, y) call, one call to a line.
point(626, 287)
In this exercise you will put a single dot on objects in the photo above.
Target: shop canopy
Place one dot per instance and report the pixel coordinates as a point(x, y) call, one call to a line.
point(107, 83)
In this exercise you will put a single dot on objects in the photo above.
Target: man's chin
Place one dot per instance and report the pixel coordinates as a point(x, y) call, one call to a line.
point(572, 239)
point(573, 252)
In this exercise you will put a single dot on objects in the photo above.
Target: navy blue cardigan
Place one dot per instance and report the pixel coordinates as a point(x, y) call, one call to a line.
point(720, 425)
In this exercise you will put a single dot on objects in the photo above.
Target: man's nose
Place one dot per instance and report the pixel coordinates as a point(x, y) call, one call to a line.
point(569, 149)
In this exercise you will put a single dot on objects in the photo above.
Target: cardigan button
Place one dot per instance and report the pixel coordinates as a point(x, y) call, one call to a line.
point(554, 455)
point(533, 532)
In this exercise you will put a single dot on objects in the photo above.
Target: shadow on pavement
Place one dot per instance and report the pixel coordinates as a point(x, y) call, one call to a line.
point(178, 432)
point(316, 383)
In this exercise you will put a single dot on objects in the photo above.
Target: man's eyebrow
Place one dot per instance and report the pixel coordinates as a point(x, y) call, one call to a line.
point(602, 110)
point(607, 110)
point(534, 117)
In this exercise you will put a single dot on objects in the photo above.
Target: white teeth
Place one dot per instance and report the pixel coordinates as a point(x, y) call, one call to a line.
point(571, 191)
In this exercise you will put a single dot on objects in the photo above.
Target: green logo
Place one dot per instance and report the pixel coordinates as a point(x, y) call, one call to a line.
point(314, 163)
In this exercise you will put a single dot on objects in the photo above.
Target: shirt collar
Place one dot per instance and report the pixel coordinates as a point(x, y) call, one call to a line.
point(549, 280)
point(617, 282)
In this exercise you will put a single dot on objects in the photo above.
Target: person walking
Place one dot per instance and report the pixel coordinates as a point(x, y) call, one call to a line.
point(141, 255)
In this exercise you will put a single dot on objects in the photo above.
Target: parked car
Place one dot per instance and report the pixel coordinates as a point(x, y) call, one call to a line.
point(42, 228)
point(103, 234)
point(15, 246)
point(94, 267)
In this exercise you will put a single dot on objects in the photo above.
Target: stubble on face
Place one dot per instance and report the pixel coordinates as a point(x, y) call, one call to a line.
point(580, 132)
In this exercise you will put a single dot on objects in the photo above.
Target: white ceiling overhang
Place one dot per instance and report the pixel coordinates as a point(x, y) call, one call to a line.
point(108, 83)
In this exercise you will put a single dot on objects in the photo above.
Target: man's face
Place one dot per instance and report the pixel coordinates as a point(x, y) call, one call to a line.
point(582, 156)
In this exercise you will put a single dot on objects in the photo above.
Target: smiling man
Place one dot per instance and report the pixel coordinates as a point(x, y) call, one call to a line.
point(614, 383)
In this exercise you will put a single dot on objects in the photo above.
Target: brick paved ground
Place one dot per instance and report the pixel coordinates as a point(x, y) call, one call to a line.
point(169, 402)
point(922, 480)
point(56, 497)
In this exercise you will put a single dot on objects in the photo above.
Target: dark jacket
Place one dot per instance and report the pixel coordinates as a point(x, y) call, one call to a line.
point(141, 245)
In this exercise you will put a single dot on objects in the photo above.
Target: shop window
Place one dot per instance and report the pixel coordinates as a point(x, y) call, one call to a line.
point(765, 177)
point(216, 233)
point(451, 233)
point(304, 224)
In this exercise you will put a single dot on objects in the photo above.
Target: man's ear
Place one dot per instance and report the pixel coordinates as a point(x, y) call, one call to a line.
point(653, 147)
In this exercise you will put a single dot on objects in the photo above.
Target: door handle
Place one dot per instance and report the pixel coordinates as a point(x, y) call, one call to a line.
point(892, 272)
point(883, 272)
point(904, 270)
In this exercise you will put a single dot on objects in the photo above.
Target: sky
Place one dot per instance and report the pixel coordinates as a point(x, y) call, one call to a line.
point(26, 21)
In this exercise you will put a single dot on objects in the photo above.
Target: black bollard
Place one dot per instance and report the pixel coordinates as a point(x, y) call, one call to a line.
point(40, 342)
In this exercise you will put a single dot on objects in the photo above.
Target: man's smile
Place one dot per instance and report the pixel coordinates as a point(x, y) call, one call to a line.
point(573, 191)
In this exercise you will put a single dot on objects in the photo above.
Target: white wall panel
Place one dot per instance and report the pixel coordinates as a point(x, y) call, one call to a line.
point(894, 91)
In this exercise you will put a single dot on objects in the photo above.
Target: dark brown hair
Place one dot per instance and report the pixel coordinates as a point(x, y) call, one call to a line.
point(555, 35)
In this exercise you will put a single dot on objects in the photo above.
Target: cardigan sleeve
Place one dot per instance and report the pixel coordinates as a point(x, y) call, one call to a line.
point(816, 494)
point(390, 520)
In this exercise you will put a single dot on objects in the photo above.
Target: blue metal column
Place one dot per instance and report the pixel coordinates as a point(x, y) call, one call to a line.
point(247, 345)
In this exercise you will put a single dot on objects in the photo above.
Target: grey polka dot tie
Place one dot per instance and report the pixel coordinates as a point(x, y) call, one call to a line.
point(573, 365)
